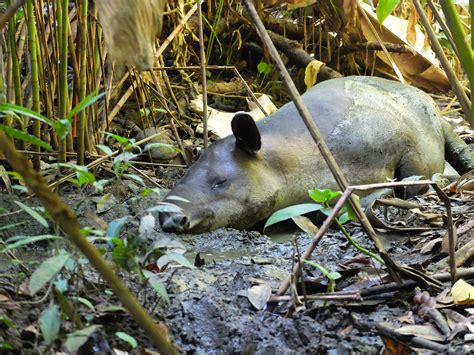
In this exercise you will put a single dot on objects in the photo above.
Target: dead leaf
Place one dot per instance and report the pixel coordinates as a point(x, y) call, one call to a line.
point(4, 297)
point(311, 73)
point(259, 295)
point(105, 203)
point(421, 67)
point(463, 293)
point(426, 331)
point(445, 242)
point(408, 318)
point(393, 346)
point(466, 183)
point(465, 227)
point(457, 322)
point(444, 299)
point(94, 220)
point(430, 245)
point(305, 224)
point(218, 122)
point(412, 22)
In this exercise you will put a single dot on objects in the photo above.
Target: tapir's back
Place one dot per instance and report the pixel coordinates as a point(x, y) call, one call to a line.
point(387, 124)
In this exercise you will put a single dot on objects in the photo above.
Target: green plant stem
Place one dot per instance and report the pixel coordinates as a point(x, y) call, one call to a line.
point(62, 16)
point(464, 49)
point(81, 119)
point(34, 77)
point(15, 61)
point(357, 246)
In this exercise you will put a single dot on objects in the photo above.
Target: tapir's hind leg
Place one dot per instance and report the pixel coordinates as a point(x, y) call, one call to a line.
point(411, 166)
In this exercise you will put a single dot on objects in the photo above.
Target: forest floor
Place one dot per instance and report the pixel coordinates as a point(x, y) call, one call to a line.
point(220, 305)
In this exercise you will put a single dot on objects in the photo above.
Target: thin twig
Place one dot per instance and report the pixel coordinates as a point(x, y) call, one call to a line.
point(202, 56)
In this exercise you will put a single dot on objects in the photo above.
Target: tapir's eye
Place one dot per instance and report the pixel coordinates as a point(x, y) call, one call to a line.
point(219, 183)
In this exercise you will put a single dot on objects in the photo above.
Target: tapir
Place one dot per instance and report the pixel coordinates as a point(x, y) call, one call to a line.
point(377, 129)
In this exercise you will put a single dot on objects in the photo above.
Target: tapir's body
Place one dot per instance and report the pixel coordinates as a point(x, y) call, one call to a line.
point(376, 129)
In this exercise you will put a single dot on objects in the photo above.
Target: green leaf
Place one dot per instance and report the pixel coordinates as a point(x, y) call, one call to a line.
point(50, 323)
point(115, 226)
point(104, 148)
point(323, 196)
point(290, 212)
point(350, 211)
point(120, 139)
point(264, 68)
point(6, 107)
point(128, 338)
point(135, 178)
point(385, 8)
point(19, 241)
point(10, 226)
point(47, 271)
point(87, 101)
point(39, 218)
point(86, 303)
point(330, 275)
point(180, 259)
point(343, 218)
point(157, 285)
point(77, 339)
point(23, 136)
point(62, 128)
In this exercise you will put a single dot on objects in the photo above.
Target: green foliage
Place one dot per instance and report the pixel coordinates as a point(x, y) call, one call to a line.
point(127, 338)
point(332, 276)
point(290, 212)
point(50, 324)
point(263, 69)
point(39, 218)
point(21, 241)
point(385, 8)
point(323, 198)
point(62, 126)
point(47, 270)
point(76, 339)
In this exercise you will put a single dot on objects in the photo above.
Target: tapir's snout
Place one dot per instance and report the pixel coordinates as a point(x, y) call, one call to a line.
point(174, 221)
point(174, 218)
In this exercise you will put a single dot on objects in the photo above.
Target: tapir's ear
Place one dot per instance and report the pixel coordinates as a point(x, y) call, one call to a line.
point(246, 132)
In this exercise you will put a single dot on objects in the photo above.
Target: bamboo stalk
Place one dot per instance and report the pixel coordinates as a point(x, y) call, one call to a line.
point(81, 119)
point(62, 18)
point(34, 76)
point(15, 67)
point(466, 55)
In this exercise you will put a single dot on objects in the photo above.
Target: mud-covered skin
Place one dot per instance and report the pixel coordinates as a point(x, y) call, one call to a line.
point(375, 128)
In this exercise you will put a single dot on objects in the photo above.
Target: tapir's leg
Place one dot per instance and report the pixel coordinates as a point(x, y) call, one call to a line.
point(411, 165)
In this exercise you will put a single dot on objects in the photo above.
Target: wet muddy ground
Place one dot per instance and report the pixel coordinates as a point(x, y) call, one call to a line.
point(210, 309)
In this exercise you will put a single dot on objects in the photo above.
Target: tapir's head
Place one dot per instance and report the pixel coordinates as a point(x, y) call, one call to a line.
point(232, 184)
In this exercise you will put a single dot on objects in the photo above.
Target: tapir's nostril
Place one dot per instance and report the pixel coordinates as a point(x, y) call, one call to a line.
point(174, 221)
point(181, 221)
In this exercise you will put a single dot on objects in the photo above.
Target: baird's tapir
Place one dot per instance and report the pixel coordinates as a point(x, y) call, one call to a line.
point(377, 129)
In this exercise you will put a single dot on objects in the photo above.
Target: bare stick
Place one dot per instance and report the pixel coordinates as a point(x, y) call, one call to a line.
point(323, 148)
point(202, 56)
